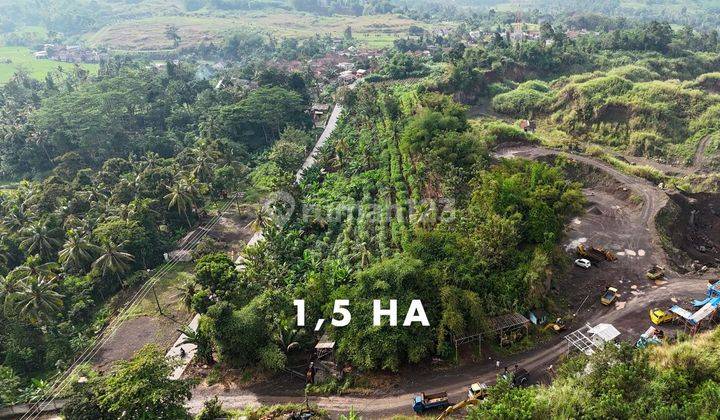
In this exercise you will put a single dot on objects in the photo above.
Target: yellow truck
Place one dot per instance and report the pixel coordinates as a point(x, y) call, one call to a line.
point(609, 296)
point(595, 253)
point(658, 316)
point(655, 273)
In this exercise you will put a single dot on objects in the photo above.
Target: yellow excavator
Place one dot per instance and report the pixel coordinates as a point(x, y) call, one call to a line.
point(557, 326)
point(476, 393)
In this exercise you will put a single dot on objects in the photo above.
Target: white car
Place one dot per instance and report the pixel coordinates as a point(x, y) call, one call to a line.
point(582, 262)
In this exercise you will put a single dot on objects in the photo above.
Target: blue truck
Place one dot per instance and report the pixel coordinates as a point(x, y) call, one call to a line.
point(424, 402)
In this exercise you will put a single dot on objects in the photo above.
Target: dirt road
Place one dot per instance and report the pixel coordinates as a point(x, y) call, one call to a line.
point(620, 223)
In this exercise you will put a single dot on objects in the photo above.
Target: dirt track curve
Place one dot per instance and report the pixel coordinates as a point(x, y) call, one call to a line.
point(456, 380)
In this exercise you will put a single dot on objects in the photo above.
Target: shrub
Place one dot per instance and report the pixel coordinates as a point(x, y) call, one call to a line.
point(529, 97)
point(634, 73)
point(495, 132)
point(272, 359)
point(212, 409)
point(646, 144)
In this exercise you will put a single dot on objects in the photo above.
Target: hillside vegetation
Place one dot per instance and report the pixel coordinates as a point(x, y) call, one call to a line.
point(403, 204)
point(632, 109)
point(670, 381)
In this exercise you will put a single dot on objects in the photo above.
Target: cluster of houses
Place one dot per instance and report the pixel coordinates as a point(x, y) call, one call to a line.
point(348, 72)
point(69, 54)
point(518, 35)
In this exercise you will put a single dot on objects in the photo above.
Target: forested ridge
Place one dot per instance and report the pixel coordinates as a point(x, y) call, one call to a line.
point(380, 223)
point(126, 162)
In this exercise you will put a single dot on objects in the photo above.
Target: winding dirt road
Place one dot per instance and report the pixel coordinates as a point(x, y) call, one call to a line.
point(456, 380)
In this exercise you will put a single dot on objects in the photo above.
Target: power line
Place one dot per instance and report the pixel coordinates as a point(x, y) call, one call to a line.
point(109, 330)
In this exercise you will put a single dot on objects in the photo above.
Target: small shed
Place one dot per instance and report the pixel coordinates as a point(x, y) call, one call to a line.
point(509, 327)
point(325, 348)
point(318, 113)
point(602, 333)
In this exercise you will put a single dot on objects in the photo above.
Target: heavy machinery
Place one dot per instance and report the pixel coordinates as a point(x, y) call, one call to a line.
point(609, 296)
point(557, 326)
point(595, 254)
point(658, 316)
point(476, 393)
point(650, 337)
point(424, 402)
point(459, 406)
point(655, 273)
point(477, 390)
point(518, 377)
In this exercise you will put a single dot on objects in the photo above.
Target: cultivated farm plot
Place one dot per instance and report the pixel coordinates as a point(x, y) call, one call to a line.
point(375, 31)
point(13, 59)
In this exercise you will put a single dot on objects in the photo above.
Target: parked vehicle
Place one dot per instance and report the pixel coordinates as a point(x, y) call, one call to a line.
point(477, 390)
point(518, 377)
point(658, 316)
point(424, 402)
point(655, 273)
point(595, 254)
point(609, 296)
point(582, 262)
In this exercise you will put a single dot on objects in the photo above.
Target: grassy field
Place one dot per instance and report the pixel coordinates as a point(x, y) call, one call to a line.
point(167, 293)
point(13, 59)
point(149, 34)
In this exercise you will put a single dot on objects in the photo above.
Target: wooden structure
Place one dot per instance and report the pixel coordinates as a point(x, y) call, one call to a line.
point(458, 341)
point(509, 327)
point(325, 348)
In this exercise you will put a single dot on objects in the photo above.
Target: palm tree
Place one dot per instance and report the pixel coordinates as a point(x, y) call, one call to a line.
point(424, 216)
point(262, 219)
point(201, 341)
point(9, 287)
point(38, 302)
point(149, 161)
point(34, 269)
point(181, 198)
point(77, 251)
point(95, 193)
point(113, 260)
point(203, 163)
point(39, 239)
point(186, 293)
point(16, 218)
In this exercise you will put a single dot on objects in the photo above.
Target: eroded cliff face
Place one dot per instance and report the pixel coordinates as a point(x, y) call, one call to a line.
point(689, 226)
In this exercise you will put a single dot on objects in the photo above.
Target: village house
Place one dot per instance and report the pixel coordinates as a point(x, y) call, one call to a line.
point(318, 112)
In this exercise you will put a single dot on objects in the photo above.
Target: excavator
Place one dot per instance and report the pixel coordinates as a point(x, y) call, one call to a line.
point(595, 253)
point(557, 326)
point(476, 393)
